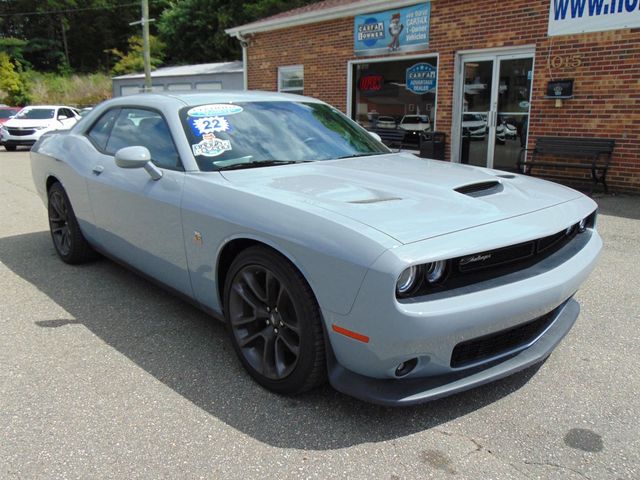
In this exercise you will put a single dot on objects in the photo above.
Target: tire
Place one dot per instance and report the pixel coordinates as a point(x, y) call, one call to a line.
point(10, 148)
point(276, 331)
point(70, 244)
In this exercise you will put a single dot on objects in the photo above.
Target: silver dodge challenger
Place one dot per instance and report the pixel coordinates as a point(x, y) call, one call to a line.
point(328, 256)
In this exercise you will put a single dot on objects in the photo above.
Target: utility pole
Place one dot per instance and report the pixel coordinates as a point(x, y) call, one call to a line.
point(145, 43)
point(64, 42)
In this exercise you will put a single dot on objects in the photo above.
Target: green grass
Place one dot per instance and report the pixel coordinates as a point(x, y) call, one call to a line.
point(73, 90)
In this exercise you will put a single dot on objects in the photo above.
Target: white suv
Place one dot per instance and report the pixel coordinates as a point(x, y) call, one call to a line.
point(30, 123)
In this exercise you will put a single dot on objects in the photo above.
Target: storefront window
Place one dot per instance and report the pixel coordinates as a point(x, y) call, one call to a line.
point(291, 79)
point(396, 95)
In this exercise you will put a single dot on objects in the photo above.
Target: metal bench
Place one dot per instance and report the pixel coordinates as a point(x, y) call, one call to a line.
point(597, 150)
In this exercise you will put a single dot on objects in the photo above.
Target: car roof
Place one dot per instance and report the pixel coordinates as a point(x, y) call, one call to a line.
point(222, 96)
point(47, 106)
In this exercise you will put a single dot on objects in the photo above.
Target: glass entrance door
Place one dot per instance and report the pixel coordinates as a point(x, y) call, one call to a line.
point(494, 109)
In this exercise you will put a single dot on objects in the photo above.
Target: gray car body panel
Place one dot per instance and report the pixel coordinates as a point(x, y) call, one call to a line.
point(351, 227)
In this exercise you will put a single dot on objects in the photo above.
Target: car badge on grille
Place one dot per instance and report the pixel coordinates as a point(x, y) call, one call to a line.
point(474, 259)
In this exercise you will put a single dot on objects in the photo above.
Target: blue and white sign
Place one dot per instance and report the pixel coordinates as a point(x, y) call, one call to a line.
point(421, 78)
point(567, 17)
point(393, 31)
point(214, 109)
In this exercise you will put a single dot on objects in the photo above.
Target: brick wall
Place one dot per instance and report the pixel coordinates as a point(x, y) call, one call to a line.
point(605, 66)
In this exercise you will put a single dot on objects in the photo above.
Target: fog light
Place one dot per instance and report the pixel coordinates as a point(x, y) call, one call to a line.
point(405, 368)
point(435, 271)
point(407, 280)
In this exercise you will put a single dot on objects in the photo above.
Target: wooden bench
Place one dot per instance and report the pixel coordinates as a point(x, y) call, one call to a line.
point(598, 151)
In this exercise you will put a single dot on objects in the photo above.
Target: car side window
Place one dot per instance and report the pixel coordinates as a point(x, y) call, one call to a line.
point(99, 133)
point(137, 127)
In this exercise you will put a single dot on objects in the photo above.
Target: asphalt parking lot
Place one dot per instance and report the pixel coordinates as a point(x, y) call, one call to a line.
point(104, 375)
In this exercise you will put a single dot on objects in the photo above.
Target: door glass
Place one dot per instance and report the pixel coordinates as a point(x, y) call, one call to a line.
point(136, 127)
point(478, 78)
point(514, 96)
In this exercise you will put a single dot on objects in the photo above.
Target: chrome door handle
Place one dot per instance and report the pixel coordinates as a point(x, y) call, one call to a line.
point(98, 169)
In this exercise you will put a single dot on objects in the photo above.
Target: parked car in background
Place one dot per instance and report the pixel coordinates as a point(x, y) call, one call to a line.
point(415, 123)
point(83, 111)
point(474, 125)
point(397, 278)
point(6, 113)
point(30, 123)
point(386, 122)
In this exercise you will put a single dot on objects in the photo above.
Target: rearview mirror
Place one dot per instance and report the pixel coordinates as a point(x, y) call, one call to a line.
point(137, 157)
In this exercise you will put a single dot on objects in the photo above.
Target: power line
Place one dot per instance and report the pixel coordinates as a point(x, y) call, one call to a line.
point(69, 10)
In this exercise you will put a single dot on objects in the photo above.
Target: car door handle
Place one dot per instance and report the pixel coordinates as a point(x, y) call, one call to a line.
point(98, 169)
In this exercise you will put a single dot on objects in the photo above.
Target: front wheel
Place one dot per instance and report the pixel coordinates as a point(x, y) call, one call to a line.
point(274, 322)
point(68, 240)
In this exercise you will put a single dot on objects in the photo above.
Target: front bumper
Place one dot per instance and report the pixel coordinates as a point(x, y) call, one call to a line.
point(18, 143)
point(413, 391)
point(21, 140)
point(429, 329)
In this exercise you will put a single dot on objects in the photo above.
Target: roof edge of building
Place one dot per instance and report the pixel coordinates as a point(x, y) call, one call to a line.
point(316, 16)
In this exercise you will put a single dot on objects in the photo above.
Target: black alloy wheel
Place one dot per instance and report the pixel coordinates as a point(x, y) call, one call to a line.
point(68, 240)
point(274, 322)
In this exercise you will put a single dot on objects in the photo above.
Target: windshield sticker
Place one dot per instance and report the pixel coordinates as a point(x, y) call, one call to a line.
point(210, 146)
point(203, 125)
point(214, 109)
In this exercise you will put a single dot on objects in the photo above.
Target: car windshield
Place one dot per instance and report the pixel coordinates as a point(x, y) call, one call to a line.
point(36, 113)
point(254, 134)
point(470, 117)
point(6, 113)
point(415, 120)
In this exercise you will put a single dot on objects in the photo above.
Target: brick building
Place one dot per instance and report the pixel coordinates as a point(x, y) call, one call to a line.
point(481, 69)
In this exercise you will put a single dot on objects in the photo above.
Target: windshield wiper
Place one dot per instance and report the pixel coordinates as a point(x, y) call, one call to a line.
point(260, 163)
point(356, 155)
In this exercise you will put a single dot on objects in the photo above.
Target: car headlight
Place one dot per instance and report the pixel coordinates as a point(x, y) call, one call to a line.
point(421, 277)
point(434, 271)
point(407, 281)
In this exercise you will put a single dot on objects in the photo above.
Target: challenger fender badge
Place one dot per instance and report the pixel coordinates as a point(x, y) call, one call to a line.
point(197, 237)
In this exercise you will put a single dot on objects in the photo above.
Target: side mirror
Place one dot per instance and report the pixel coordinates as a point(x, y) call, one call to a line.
point(62, 117)
point(137, 157)
point(375, 135)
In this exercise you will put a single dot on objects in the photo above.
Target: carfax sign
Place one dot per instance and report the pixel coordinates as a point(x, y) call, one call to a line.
point(393, 31)
point(567, 17)
point(421, 78)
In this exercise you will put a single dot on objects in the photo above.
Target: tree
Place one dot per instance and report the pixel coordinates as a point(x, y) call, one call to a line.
point(12, 87)
point(194, 30)
point(133, 60)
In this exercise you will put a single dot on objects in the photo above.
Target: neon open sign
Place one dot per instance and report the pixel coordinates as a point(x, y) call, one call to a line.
point(371, 83)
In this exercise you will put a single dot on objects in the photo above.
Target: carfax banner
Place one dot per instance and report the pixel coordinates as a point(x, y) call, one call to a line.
point(567, 17)
point(393, 31)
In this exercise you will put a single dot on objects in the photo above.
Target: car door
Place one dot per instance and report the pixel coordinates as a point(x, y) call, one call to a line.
point(138, 219)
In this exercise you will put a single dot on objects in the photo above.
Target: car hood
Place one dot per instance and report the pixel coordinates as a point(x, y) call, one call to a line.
point(403, 196)
point(26, 123)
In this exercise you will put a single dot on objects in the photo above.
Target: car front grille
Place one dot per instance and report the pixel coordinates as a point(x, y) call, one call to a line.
point(18, 132)
point(501, 343)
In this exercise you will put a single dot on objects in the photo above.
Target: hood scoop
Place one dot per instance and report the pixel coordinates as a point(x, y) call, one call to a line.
point(480, 189)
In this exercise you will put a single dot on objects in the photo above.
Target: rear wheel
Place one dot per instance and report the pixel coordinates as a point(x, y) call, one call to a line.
point(68, 240)
point(274, 322)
